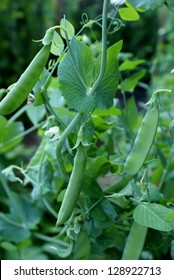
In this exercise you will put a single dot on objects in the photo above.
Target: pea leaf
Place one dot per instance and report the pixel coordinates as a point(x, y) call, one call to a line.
point(170, 5)
point(76, 76)
point(107, 88)
point(154, 216)
point(129, 14)
point(35, 113)
point(9, 134)
point(12, 232)
point(69, 29)
point(48, 37)
point(131, 82)
point(130, 65)
point(146, 5)
point(78, 72)
point(57, 46)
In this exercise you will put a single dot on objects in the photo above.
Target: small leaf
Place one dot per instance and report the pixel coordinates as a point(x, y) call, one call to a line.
point(10, 175)
point(9, 134)
point(130, 65)
point(37, 158)
point(131, 82)
point(129, 14)
point(57, 46)
point(69, 29)
point(48, 37)
point(35, 113)
point(109, 112)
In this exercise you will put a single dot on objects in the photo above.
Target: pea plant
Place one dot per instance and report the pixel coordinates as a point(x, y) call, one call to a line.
point(97, 181)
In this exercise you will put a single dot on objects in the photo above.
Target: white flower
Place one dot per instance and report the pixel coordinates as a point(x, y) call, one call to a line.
point(117, 2)
point(52, 131)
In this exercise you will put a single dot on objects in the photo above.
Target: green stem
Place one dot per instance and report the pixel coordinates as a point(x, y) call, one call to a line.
point(135, 242)
point(50, 239)
point(18, 113)
point(49, 207)
point(61, 141)
point(104, 48)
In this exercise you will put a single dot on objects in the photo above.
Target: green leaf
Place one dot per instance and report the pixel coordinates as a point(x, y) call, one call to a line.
point(35, 113)
point(128, 14)
point(9, 133)
point(46, 175)
point(37, 158)
point(83, 247)
point(9, 174)
point(57, 46)
point(104, 214)
point(146, 5)
point(75, 75)
point(69, 29)
point(153, 215)
point(48, 37)
point(130, 65)
point(107, 88)
point(107, 113)
point(55, 98)
point(10, 232)
point(170, 5)
point(32, 253)
point(130, 83)
point(131, 113)
point(91, 188)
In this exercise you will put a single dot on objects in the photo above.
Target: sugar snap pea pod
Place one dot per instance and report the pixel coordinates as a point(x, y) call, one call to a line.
point(143, 142)
point(135, 242)
point(26, 82)
point(74, 186)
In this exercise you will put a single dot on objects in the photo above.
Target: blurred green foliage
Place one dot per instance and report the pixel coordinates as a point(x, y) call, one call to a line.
point(21, 21)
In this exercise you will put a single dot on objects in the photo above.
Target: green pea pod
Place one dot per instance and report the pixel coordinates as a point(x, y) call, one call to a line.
point(74, 186)
point(135, 242)
point(26, 82)
point(143, 142)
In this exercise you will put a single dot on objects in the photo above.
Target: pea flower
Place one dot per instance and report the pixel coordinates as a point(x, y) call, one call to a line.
point(52, 132)
point(117, 2)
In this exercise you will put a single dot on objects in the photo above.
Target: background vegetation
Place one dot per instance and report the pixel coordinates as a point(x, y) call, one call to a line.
point(27, 217)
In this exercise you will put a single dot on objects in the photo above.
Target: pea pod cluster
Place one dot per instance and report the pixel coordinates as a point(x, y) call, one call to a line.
point(143, 142)
point(26, 82)
point(74, 186)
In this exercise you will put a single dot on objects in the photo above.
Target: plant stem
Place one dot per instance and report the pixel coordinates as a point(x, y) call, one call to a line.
point(104, 48)
point(64, 135)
